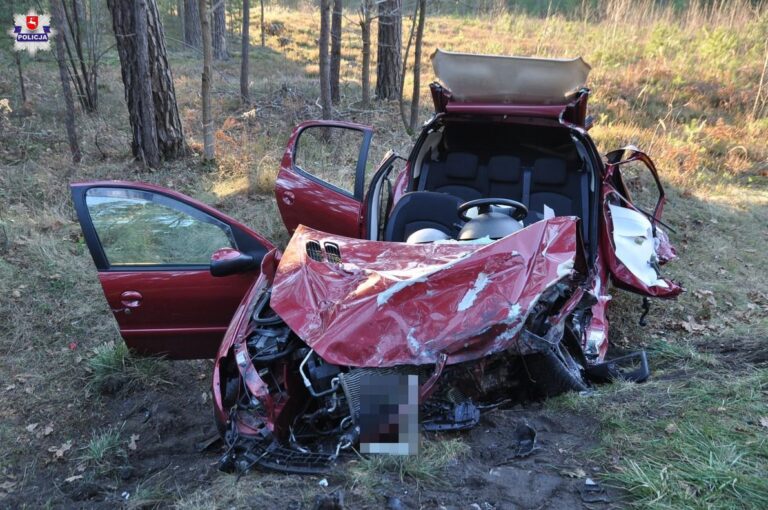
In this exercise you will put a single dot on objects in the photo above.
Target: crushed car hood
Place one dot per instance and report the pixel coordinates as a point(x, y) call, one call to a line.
point(386, 304)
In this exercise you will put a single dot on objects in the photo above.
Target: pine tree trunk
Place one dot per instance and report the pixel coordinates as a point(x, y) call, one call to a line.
point(388, 65)
point(366, 17)
point(246, 42)
point(69, 103)
point(417, 66)
point(192, 34)
point(22, 89)
point(336, 50)
point(146, 111)
point(220, 31)
point(263, 28)
point(167, 125)
point(324, 60)
point(209, 151)
point(180, 14)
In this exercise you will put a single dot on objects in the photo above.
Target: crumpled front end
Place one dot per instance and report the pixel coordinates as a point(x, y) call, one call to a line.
point(459, 319)
point(381, 304)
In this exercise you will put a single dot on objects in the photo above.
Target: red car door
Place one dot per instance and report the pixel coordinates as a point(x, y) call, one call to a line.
point(632, 237)
point(321, 182)
point(152, 248)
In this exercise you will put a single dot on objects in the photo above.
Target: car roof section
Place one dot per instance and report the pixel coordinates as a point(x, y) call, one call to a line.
point(510, 80)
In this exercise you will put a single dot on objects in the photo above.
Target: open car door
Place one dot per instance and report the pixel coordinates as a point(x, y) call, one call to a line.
point(321, 182)
point(632, 239)
point(152, 248)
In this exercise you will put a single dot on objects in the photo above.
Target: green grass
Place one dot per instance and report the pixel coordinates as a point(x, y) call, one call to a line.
point(690, 441)
point(104, 452)
point(425, 468)
point(113, 368)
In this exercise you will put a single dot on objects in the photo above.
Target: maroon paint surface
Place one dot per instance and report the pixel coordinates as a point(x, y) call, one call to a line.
point(306, 201)
point(181, 313)
point(389, 304)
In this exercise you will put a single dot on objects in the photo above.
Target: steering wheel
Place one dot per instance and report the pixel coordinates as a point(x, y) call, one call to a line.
point(518, 211)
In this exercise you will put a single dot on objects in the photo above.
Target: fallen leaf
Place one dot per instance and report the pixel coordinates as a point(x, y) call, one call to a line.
point(574, 473)
point(59, 451)
point(73, 478)
point(764, 421)
point(48, 429)
point(31, 427)
point(671, 428)
point(132, 443)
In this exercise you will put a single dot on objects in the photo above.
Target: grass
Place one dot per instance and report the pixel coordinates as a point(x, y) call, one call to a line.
point(682, 82)
point(104, 451)
point(112, 368)
point(425, 468)
point(691, 441)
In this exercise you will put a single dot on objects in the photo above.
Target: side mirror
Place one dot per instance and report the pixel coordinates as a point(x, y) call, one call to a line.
point(226, 261)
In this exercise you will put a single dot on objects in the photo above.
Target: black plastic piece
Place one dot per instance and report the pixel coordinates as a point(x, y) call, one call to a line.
point(444, 416)
point(614, 369)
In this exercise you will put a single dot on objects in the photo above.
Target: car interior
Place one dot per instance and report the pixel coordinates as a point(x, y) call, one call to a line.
point(536, 166)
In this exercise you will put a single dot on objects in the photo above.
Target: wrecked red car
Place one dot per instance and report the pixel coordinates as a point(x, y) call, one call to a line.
point(418, 291)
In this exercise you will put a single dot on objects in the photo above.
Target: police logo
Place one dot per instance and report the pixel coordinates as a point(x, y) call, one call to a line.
point(32, 32)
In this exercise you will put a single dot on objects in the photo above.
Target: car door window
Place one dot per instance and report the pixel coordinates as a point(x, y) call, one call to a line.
point(140, 228)
point(641, 186)
point(331, 154)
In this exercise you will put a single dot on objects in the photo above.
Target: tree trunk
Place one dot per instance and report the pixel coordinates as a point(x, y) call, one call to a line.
point(325, 64)
point(336, 50)
point(21, 77)
point(401, 87)
point(366, 17)
point(69, 103)
point(263, 29)
point(220, 31)
point(150, 153)
point(209, 151)
point(388, 65)
point(167, 125)
point(180, 14)
point(192, 34)
point(417, 65)
point(246, 35)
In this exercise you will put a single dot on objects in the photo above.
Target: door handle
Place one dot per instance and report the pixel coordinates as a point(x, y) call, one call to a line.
point(288, 197)
point(131, 299)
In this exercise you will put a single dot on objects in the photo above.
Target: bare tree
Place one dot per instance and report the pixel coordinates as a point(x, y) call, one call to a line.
point(246, 43)
point(366, 18)
point(69, 103)
point(192, 34)
point(82, 29)
point(166, 124)
point(388, 64)
point(417, 66)
point(336, 50)
point(401, 88)
point(209, 150)
point(220, 31)
point(23, 90)
point(325, 65)
point(263, 28)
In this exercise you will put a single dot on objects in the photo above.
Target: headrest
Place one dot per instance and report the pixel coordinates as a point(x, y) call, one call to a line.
point(461, 165)
point(550, 171)
point(504, 169)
